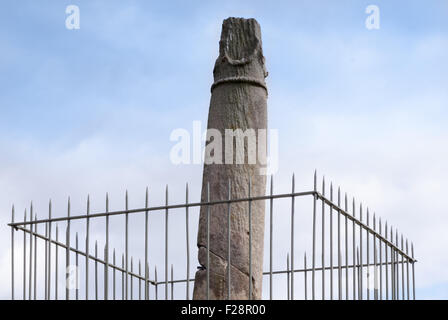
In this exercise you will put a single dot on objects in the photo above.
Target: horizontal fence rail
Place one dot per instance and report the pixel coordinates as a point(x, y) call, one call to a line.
point(350, 258)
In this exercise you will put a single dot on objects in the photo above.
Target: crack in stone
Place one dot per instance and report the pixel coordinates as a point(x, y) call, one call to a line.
point(223, 260)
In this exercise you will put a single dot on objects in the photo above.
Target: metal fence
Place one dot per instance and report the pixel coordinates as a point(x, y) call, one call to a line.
point(351, 258)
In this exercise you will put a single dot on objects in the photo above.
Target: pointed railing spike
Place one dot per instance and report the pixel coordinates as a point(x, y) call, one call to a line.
point(146, 244)
point(292, 236)
point(187, 241)
point(12, 254)
point(323, 239)
point(126, 245)
point(166, 244)
point(24, 258)
point(288, 276)
point(49, 249)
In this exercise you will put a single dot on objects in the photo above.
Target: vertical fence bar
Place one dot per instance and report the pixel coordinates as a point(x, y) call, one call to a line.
point(393, 272)
point(106, 283)
point(397, 267)
point(305, 276)
point(96, 270)
point(56, 248)
point(360, 253)
point(392, 265)
point(208, 242)
point(172, 283)
point(122, 278)
point(354, 250)
point(229, 238)
point(139, 280)
point(292, 239)
point(407, 268)
point(147, 272)
point(46, 262)
point(392, 269)
point(288, 283)
point(24, 258)
point(49, 250)
point(386, 250)
point(67, 252)
point(87, 248)
point(346, 248)
point(402, 269)
point(331, 242)
point(166, 244)
point(323, 240)
point(367, 258)
point(126, 247)
point(187, 234)
point(250, 240)
point(35, 257)
point(380, 243)
point(395, 276)
point(156, 284)
point(375, 288)
point(106, 253)
point(397, 271)
point(12, 255)
point(359, 274)
point(114, 286)
point(271, 226)
point(132, 278)
point(313, 274)
point(339, 247)
point(146, 245)
point(77, 267)
point(413, 271)
point(375, 256)
point(30, 278)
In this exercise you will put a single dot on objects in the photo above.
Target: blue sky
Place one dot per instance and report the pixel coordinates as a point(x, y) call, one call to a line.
point(91, 110)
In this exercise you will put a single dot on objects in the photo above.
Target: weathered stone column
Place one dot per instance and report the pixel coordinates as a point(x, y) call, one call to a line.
point(238, 101)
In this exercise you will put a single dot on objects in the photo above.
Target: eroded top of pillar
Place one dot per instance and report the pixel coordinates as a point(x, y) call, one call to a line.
point(240, 54)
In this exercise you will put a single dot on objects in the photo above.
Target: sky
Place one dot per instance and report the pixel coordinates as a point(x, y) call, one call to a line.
point(91, 111)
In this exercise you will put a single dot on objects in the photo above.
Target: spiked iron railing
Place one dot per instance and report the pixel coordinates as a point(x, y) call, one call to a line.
point(392, 262)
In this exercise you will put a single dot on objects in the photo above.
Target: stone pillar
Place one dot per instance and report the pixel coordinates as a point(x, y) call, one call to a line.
point(238, 101)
